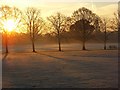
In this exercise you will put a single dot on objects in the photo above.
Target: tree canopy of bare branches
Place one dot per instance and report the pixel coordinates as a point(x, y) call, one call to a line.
point(6, 14)
point(85, 18)
point(58, 22)
point(34, 24)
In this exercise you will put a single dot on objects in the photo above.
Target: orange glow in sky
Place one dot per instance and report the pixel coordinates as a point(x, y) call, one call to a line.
point(49, 7)
point(10, 25)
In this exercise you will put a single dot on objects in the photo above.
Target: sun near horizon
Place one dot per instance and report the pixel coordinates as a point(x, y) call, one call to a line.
point(10, 25)
point(103, 9)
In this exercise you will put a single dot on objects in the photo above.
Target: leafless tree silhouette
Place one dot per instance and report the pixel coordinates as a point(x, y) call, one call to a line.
point(107, 26)
point(58, 22)
point(34, 24)
point(87, 20)
point(9, 13)
point(84, 29)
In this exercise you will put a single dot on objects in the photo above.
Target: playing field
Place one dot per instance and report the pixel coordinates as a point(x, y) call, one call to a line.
point(53, 69)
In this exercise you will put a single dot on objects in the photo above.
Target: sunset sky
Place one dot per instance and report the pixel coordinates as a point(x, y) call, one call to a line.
point(65, 6)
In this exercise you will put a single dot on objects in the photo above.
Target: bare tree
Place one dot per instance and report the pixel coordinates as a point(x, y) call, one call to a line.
point(104, 28)
point(116, 20)
point(34, 24)
point(84, 29)
point(84, 15)
point(58, 22)
point(9, 13)
point(107, 27)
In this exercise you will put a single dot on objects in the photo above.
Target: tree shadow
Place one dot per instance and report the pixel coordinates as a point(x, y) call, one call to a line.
point(76, 50)
point(4, 56)
point(50, 56)
point(59, 58)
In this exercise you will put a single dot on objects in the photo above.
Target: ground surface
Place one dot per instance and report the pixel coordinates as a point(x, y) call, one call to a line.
point(69, 68)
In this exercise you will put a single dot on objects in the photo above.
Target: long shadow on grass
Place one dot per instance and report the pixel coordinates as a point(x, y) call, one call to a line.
point(55, 56)
point(51, 56)
point(4, 56)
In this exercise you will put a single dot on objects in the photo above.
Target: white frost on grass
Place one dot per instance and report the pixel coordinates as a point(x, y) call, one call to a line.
point(83, 69)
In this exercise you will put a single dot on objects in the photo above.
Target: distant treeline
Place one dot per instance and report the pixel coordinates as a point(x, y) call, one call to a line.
point(83, 26)
point(67, 37)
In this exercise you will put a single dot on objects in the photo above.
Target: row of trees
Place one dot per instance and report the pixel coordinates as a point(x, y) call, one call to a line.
point(83, 23)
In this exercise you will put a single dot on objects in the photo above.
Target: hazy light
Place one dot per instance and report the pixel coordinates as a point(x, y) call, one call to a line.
point(9, 25)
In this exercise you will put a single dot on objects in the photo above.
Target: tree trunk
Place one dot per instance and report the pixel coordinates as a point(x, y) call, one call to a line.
point(33, 46)
point(84, 36)
point(105, 45)
point(83, 48)
point(6, 42)
point(105, 39)
point(59, 42)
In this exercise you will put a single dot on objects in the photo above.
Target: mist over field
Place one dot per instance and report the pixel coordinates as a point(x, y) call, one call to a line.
point(48, 68)
point(58, 45)
point(54, 47)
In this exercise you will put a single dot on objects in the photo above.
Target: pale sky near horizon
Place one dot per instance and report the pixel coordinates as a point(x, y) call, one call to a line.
point(66, 7)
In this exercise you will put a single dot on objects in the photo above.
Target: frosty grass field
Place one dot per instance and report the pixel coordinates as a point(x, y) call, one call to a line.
point(71, 68)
